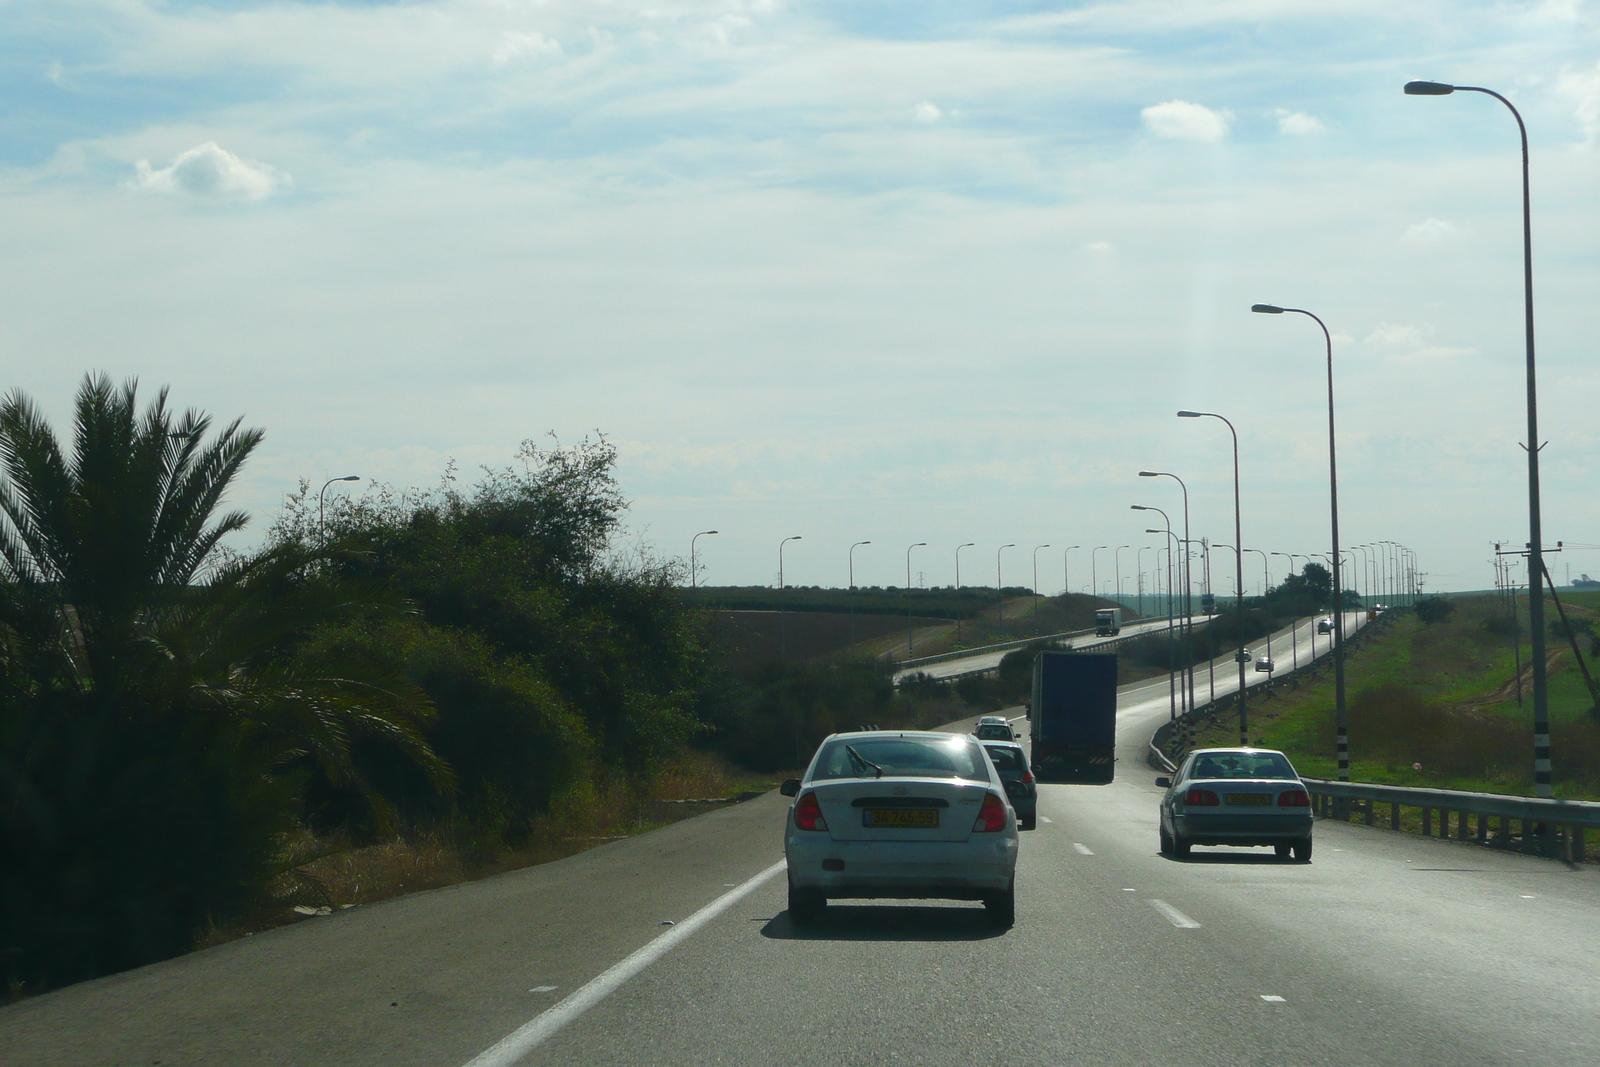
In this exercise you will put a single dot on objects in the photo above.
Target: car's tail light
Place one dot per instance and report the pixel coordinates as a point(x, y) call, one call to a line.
point(1294, 798)
point(1027, 776)
point(1201, 798)
point(992, 816)
point(808, 814)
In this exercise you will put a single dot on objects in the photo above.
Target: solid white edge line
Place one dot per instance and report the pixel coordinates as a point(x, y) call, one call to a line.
point(511, 1048)
point(1174, 916)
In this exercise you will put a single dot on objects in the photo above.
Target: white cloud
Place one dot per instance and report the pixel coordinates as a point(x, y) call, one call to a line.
point(211, 172)
point(1297, 123)
point(1397, 333)
point(926, 113)
point(1184, 121)
point(1099, 246)
point(516, 47)
point(1584, 87)
point(1434, 230)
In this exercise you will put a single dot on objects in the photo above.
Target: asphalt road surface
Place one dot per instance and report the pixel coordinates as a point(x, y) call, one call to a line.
point(988, 661)
point(1387, 949)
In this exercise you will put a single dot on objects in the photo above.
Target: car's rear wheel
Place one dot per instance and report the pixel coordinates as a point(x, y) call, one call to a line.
point(1180, 847)
point(1002, 906)
point(1166, 842)
point(1282, 851)
point(1028, 822)
point(806, 905)
point(1302, 850)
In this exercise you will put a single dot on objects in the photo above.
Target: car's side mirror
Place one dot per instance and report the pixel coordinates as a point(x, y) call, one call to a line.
point(1016, 736)
point(1164, 782)
point(790, 787)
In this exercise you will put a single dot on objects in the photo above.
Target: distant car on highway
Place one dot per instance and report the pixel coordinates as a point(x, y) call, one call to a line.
point(1012, 762)
point(901, 816)
point(1325, 625)
point(991, 718)
point(1264, 665)
point(994, 731)
point(1236, 796)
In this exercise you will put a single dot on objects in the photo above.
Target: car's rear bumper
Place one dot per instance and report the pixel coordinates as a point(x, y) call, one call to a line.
point(953, 870)
point(1240, 829)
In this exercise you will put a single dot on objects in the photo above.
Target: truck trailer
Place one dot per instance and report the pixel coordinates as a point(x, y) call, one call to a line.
point(1074, 717)
point(1108, 621)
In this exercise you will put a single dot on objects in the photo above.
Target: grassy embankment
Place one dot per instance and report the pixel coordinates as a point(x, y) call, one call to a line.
point(1443, 697)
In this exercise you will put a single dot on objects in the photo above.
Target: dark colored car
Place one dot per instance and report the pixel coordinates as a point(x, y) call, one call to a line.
point(1012, 764)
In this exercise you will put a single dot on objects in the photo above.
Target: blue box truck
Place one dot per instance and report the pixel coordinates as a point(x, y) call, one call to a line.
point(1074, 717)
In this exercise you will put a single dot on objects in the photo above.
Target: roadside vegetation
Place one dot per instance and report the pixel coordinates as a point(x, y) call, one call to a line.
point(1435, 703)
point(420, 686)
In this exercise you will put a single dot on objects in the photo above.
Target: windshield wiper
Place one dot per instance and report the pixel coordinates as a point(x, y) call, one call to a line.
point(863, 761)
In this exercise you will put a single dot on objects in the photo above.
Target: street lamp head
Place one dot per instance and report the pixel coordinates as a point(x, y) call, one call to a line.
point(351, 478)
point(1266, 309)
point(1138, 507)
point(920, 544)
point(1429, 89)
point(1008, 546)
point(1149, 474)
point(1155, 531)
point(969, 544)
point(1188, 414)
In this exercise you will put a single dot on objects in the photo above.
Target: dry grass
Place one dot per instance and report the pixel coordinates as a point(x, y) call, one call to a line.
point(326, 874)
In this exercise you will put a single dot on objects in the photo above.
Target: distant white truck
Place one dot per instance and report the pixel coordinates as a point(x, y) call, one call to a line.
point(1108, 621)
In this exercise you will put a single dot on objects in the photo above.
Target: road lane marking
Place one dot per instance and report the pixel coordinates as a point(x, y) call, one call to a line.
point(1270, 999)
point(1174, 916)
point(1082, 849)
point(543, 989)
point(1046, 818)
point(517, 1044)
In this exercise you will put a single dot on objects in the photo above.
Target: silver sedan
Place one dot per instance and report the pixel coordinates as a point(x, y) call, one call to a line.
point(900, 815)
point(1236, 796)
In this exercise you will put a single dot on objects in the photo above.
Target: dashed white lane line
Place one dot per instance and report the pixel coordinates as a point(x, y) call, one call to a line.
point(1083, 850)
point(1174, 916)
point(1046, 818)
point(1270, 999)
point(511, 1048)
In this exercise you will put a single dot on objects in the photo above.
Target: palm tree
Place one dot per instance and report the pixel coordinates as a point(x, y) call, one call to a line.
point(156, 721)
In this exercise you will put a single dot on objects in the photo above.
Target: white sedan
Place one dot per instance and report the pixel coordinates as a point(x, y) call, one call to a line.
point(905, 815)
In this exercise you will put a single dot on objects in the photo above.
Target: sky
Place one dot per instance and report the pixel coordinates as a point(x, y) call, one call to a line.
point(887, 271)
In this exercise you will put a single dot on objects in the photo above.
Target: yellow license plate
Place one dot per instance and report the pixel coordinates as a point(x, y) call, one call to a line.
point(914, 817)
point(1249, 798)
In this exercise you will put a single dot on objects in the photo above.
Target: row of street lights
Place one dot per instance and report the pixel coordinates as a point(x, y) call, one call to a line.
point(1536, 568)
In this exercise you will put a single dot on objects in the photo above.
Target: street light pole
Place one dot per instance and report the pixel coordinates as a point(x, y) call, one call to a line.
point(910, 629)
point(1094, 573)
point(1188, 580)
point(1241, 655)
point(852, 558)
point(1117, 562)
point(969, 544)
point(1294, 624)
point(347, 478)
point(1138, 562)
point(783, 616)
point(1036, 589)
point(1341, 717)
point(1171, 641)
point(1066, 577)
point(693, 570)
point(999, 586)
point(1541, 688)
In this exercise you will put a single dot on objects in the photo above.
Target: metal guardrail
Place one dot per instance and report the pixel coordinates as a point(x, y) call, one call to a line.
point(1552, 827)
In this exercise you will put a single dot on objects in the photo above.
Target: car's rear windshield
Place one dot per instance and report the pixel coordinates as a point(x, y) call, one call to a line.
point(990, 731)
point(913, 756)
point(1005, 759)
point(1242, 765)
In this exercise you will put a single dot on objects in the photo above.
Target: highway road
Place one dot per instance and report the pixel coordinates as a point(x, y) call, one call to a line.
point(1387, 949)
point(988, 661)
